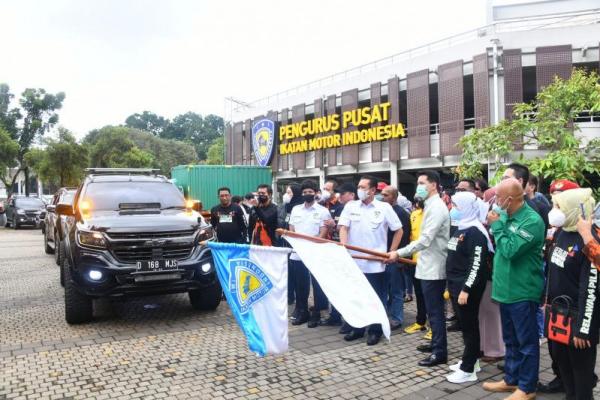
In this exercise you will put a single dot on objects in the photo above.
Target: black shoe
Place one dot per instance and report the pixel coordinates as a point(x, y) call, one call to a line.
point(595, 381)
point(345, 329)
point(500, 366)
point(294, 314)
point(373, 339)
point(395, 324)
point(315, 317)
point(554, 386)
point(302, 318)
point(425, 348)
point(453, 327)
point(432, 361)
point(331, 321)
point(353, 336)
point(451, 318)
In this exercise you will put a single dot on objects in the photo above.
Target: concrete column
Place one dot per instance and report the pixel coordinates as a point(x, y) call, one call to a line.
point(394, 173)
point(321, 177)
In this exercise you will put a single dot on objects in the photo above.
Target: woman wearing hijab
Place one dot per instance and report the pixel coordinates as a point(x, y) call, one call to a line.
point(291, 198)
point(571, 274)
point(469, 249)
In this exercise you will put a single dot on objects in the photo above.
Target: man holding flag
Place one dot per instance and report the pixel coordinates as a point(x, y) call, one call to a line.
point(365, 222)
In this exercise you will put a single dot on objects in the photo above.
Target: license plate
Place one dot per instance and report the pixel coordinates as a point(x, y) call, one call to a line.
point(157, 265)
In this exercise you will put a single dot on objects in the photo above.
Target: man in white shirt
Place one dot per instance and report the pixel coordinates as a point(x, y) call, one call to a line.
point(365, 222)
point(431, 265)
point(308, 218)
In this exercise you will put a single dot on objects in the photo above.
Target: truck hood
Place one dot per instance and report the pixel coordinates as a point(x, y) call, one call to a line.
point(166, 220)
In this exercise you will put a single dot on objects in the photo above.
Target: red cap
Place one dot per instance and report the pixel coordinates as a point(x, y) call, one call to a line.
point(381, 185)
point(561, 185)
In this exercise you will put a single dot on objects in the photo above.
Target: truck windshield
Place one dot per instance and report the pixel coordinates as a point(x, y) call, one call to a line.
point(110, 195)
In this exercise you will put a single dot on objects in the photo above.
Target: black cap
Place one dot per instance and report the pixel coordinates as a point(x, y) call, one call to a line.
point(346, 188)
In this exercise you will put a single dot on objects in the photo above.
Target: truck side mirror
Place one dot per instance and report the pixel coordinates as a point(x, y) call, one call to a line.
point(64, 209)
point(51, 208)
point(197, 206)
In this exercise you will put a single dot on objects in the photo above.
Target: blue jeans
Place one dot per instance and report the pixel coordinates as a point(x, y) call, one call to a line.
point(520, 334)
point(433, 293)
point(408, 272)
point(394, 291)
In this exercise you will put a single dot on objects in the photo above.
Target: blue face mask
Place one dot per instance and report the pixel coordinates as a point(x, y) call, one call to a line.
point(421, 192)
point(379, 197)
point(455, 214)
point(498, 210)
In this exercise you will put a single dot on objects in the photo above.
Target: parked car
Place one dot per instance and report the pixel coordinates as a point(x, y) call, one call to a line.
point(2, 214)
point(130, 232)
point(21, 211)
point(52, 227)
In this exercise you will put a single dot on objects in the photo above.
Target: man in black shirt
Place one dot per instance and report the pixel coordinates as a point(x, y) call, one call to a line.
point(228, 219)
point(263, 219)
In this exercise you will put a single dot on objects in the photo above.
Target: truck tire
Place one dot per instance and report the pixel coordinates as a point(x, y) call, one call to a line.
point(206, 299)
point(47, 249)
point(78, 307)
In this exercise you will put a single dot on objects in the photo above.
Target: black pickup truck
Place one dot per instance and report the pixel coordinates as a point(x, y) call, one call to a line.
point(130, 232)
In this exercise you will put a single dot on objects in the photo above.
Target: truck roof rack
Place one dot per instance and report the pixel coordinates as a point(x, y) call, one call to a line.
point(122, 171)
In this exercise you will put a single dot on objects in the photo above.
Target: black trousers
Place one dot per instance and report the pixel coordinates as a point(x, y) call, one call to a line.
point(421, 311)
point(576, 368)
point(301, 283)
point(468, 318)
point(377, 281)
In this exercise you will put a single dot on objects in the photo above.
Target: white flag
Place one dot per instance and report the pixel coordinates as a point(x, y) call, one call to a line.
point(343, 282)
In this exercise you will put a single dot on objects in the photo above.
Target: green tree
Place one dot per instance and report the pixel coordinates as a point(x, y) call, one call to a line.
point(548, 123)
point(36, 116)
point(114, 146)
point(9, 149)
point(63, 161)
point(147, 121)
point(215, 152)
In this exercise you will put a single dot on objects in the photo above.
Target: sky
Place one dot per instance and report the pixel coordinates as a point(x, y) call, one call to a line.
point(114, 58)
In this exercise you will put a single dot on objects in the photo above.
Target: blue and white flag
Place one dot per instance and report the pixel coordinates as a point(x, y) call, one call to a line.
point(254, 280)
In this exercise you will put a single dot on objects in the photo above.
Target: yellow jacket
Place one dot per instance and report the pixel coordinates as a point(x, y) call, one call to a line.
point(416, 218)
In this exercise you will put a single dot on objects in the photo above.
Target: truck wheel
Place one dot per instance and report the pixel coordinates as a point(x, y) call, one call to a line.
point(206, 299)
point(78, 307)
point(47, 249)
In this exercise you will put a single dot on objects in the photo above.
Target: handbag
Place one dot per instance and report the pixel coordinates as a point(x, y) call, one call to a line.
point(560, 318)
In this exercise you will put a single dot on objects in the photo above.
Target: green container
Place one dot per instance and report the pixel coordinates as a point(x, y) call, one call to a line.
point(201, 182)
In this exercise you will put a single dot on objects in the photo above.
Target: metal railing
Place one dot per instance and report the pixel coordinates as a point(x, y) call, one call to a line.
point(520, 24)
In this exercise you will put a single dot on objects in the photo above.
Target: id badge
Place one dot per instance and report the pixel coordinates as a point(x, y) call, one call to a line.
point(225, 218)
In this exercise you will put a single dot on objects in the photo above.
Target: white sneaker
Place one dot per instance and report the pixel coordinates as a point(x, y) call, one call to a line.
point(461, 377)
point(456, 367)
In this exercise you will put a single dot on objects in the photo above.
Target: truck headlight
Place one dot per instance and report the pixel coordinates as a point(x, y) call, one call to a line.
point(91, 239)
point(205, 233)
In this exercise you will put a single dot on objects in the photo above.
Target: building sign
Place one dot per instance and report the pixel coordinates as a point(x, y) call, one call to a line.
point(263, 141)
point(322, 132)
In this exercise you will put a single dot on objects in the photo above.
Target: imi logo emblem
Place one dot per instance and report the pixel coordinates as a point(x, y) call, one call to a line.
point(263, 141)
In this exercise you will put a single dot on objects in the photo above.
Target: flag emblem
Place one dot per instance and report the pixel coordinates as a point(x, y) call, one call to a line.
point(248, 283)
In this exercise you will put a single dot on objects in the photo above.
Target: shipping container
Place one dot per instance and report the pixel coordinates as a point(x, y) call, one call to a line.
point(201, 182)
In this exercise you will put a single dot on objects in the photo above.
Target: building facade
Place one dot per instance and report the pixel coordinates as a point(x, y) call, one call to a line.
point(437, 93)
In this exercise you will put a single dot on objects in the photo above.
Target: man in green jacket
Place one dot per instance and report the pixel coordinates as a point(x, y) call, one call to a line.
point(518, 282)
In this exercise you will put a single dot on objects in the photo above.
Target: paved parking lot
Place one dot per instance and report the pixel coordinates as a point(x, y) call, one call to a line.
point(158, 347)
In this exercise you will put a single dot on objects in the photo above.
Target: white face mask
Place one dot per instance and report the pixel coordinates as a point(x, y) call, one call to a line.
point(362, 194)
point(325, 195)
point(556, 218)
point(287, 198)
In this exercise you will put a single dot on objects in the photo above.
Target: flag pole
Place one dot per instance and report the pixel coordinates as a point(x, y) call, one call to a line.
point(379, 256)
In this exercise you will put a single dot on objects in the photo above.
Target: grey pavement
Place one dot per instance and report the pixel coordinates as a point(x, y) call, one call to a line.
point(159, 347)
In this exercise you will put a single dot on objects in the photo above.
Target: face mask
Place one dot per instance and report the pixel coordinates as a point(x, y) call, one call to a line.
point(556, 218)
point(422, 192)
point(308, 198)
point(262, 198)
point(325, 195)
point(498, 210)
point(362, 194)
point(455, 214)
point(287, 198)
point(379, 197)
